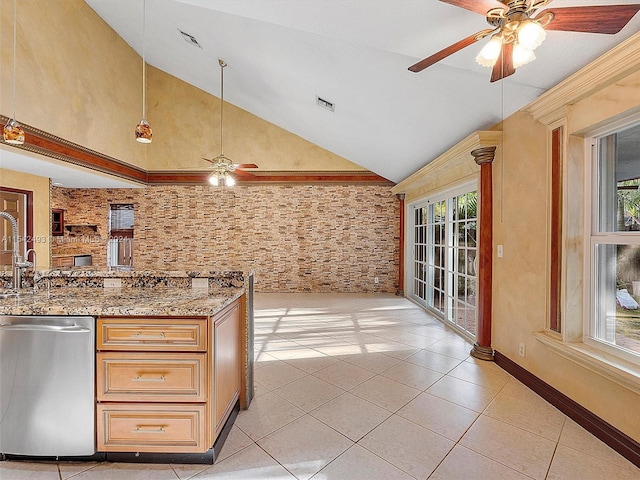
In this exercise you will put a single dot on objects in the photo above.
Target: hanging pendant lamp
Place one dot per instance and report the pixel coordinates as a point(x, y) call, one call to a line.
point(222, 165)
point(143, 130)
point(12, 133)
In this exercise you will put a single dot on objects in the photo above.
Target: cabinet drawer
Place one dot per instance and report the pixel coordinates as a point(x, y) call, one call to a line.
point(146, 377)
point(151, 428)
point(183, 334)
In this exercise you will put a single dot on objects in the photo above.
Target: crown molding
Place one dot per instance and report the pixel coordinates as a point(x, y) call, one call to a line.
point(254, 177)
point(52, 146)
point(457, 155)
point(619, 62)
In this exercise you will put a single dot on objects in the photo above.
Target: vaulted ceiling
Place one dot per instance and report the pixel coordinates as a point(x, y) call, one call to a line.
point(283, 54)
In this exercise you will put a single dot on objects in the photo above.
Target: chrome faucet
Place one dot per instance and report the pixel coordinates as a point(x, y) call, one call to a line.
point(16, 259)
point(33, 265)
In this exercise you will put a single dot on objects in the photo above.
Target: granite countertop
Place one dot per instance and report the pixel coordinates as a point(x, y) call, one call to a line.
point(120, 301)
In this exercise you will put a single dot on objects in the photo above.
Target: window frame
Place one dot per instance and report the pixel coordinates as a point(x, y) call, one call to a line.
point(593, 236)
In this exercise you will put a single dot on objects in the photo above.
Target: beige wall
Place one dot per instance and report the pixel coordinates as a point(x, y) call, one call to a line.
point(41, 210)
point(521, 193)
point(521, 224)
point(187, 130)
point(77, 79)
point(297, 238)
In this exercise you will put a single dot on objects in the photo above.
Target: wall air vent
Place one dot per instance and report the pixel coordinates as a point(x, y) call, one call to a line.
point(325, 104)
point(190, 39)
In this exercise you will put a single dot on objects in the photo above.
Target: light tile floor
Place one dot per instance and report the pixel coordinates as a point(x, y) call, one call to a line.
point(371, 387)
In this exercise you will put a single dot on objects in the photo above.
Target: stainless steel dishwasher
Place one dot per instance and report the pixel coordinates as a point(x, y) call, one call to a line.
point(47, 385)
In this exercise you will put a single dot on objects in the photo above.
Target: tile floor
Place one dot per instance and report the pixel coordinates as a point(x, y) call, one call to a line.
point(370, 387)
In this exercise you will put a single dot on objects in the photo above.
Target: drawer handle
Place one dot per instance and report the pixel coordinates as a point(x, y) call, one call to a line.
point(140, 378)
point(148, 430)
point(150, 337)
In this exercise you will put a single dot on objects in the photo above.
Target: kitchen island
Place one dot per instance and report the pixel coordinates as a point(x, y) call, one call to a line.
point(173, 363)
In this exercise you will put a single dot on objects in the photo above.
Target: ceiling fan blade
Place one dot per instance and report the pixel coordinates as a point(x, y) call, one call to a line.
point(478, 6)
point(246, 165)
point(504, 66)
point(451, 49)
point(608, 19)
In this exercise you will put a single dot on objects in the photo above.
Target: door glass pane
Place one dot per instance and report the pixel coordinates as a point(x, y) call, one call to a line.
point(445, 258)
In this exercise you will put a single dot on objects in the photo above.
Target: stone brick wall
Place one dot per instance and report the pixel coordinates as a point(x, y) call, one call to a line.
point(297, 238)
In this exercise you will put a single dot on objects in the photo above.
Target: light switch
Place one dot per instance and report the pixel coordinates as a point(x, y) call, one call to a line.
point(499, 251)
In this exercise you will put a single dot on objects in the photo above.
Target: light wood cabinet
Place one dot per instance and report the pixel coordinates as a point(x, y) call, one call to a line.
point(143, 427)
point(64, 261)
point(148, 333)
point(167, 384)
point(166, 377)
point(227, 365)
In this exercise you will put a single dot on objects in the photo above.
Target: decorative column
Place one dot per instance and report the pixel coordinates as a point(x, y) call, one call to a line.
point(400, 291)
point(482, 347)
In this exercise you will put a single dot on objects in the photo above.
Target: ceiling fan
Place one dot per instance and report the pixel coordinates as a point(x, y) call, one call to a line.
point(222, 165)
point(517, 28)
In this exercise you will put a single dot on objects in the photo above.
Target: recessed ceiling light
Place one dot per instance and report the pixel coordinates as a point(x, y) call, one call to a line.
point(190, 39)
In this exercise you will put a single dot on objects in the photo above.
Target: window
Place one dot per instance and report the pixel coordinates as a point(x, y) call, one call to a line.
point(615, 243)
point(120, 247)
point(444, 257)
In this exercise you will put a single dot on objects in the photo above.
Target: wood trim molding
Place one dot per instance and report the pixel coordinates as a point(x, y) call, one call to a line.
point(619, 62)
point(619, 441)
point(157, 177)
point(43, 143)
point(482, 349)
point(400, 291)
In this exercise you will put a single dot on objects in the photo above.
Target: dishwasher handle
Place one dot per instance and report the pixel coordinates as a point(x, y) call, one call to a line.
point(43, 328)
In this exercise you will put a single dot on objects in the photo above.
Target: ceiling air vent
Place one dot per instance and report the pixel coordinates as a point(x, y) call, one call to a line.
point(325, 104)
point(190, 39)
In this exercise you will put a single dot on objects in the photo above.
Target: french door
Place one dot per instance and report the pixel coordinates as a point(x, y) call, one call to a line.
point(445, 256)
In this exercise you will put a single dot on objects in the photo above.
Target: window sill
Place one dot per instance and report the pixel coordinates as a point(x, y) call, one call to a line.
point(615, 369)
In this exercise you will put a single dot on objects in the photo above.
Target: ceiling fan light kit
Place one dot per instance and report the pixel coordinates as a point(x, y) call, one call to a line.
point(222, 165)
point(518, 28)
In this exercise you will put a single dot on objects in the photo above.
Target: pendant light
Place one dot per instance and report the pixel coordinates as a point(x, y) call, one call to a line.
point(222, 165)
point(143, 130)
point(12, 133)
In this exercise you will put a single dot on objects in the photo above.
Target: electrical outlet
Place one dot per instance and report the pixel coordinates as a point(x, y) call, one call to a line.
point(521, 350)
point(199, 283)
point(112, 283)
point(376, 280)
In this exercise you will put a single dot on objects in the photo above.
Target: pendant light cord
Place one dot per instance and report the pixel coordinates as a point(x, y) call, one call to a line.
point(15, 19)
point(144, 63)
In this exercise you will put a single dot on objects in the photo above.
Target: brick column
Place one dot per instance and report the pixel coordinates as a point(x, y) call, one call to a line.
point(400, 291)
point(482, 347)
